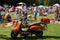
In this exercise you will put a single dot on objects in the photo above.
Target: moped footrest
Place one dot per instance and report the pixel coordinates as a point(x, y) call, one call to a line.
point(24, 32)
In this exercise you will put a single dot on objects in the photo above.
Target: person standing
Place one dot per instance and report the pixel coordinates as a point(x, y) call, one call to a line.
point(0, 16)
point(1, 13)
point(24, 13)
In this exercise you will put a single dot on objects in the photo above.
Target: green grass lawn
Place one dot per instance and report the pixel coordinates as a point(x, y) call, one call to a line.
point(52, 33)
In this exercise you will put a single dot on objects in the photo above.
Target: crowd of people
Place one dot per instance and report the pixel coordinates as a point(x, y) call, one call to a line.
point(23, 12)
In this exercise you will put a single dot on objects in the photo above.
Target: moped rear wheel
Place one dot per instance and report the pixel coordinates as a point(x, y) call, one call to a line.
point(39, 34)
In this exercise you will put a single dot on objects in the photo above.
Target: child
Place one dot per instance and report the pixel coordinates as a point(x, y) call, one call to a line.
point(45, 20)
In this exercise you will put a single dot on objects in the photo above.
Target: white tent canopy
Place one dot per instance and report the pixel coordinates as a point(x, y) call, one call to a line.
point(56, 4)
point(21, 3)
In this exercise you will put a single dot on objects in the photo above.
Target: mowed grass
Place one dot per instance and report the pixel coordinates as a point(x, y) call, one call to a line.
point(52, 33)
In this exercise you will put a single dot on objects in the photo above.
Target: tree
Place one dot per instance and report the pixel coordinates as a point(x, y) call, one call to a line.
point(30, 2)
point(51, 2)
point(14, 2)
point(46, 2)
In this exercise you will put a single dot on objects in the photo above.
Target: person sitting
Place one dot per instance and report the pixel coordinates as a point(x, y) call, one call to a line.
point(8, 17)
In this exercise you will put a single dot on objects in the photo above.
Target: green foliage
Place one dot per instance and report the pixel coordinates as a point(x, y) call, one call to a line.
point(30, 2)
point(14, 2)
point(51, 2)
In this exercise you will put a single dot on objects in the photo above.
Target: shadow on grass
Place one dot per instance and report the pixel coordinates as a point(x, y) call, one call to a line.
point(28, 38)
